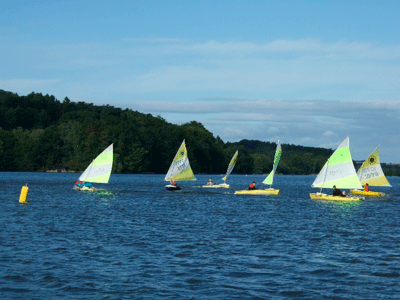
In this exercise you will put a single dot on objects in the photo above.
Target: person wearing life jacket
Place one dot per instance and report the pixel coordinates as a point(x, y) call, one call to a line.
point(210, 182)
point(78, 183)
point(337, 192)
point(367, 188)
point(252, 186)
point(82, 184)
point(173, 183)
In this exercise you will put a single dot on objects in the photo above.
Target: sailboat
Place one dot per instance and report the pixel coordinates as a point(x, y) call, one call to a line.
point(269, 179)
point(371, 173)
point(180, 169)
point(338, 171)
point(98, 171)
point(228, 172)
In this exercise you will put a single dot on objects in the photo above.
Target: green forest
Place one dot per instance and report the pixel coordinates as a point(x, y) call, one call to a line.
point(40, 133)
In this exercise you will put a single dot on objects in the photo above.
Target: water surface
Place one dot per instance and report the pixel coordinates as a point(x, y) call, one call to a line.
point(140, 241)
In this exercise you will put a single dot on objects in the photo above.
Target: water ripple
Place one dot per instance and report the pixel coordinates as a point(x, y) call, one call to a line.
point(142, 242)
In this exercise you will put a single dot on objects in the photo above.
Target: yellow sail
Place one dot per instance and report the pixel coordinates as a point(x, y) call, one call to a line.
point(180, 168)
point(371, 171)
point(231, 165)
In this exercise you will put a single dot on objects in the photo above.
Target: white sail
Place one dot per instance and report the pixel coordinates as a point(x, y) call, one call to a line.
point(338, 170)
point(180, 168)
point(99, 170)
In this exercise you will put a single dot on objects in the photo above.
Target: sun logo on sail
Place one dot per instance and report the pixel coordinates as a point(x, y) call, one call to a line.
point(371, 160)
point(182, 153)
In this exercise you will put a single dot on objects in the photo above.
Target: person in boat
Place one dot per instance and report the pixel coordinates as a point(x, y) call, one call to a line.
point(210, 182)
point(174, 183)
point(81, 184)
point(252, 186)
point(337, 192)
point(367, 188)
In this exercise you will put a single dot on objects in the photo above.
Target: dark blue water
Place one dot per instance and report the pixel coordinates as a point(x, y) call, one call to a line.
point(142, 242)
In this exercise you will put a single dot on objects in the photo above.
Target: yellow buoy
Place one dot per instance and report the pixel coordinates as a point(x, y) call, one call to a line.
point(24, 194)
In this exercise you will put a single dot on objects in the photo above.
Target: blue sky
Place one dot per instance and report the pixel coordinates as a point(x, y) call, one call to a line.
point(306, 72)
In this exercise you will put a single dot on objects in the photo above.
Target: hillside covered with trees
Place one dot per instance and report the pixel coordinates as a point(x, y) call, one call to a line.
point(40, 133)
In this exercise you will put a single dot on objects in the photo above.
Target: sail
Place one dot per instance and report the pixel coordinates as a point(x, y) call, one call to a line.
point(371, 171)
point(338, 170)
point(277, 158)
point(100, 169)
point(180, 168)
point(231, 165)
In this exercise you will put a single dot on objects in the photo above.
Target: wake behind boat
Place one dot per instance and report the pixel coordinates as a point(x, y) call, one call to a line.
point(371, 174)
point(179, 170)
point(98, 171)
point(268, 180)
point(338, 171)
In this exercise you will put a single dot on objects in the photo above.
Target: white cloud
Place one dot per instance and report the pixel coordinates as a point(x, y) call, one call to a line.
point(329, 133)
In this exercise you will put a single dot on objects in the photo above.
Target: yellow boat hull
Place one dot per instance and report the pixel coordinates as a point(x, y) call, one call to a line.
point(217, 186)
point(325, 197)
point(258, 192)
point(368, 194)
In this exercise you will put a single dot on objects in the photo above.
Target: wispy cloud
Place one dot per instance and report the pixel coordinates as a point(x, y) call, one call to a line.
point(314, 123)
point(254, 90)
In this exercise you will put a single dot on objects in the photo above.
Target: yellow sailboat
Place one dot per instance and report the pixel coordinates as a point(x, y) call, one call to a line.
point(338, 171)
point(371, 173)
point(268, 180)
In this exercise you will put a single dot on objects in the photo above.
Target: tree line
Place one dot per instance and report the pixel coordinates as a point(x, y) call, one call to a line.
point(40, 133)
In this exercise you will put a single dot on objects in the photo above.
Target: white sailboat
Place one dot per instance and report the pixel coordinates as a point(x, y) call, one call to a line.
point(371, 173)
point(269, 179)
point(338, 171)
point(98, 171)
point(180, 169)
point(228, 172)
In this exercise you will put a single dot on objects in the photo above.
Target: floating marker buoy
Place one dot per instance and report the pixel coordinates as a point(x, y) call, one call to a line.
point(24, 194)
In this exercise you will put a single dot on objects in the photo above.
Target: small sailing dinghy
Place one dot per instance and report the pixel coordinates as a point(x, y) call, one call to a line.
point(179, 170)
point(228, 172)
point(338, 171)
point(98, 171)
point(371, 173)
point(268, 180)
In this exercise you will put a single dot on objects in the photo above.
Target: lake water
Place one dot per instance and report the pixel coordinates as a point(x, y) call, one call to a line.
point(143, 242)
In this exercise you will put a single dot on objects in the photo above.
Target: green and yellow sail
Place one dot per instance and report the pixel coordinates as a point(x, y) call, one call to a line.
point(231, 165)
point(180, 169)
point(277, 158)
point(99, 170)
point(339, 170)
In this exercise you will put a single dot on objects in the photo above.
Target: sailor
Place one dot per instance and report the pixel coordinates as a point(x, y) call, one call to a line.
point(337, 192)
point(367, 188)
point(252, 186)
point(210, 182)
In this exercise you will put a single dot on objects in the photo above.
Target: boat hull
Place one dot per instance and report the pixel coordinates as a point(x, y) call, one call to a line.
point(217, 186)
point(85, 189)
point(325, 197)
point(258, 192)
point(170, 187)
point(367, 194)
